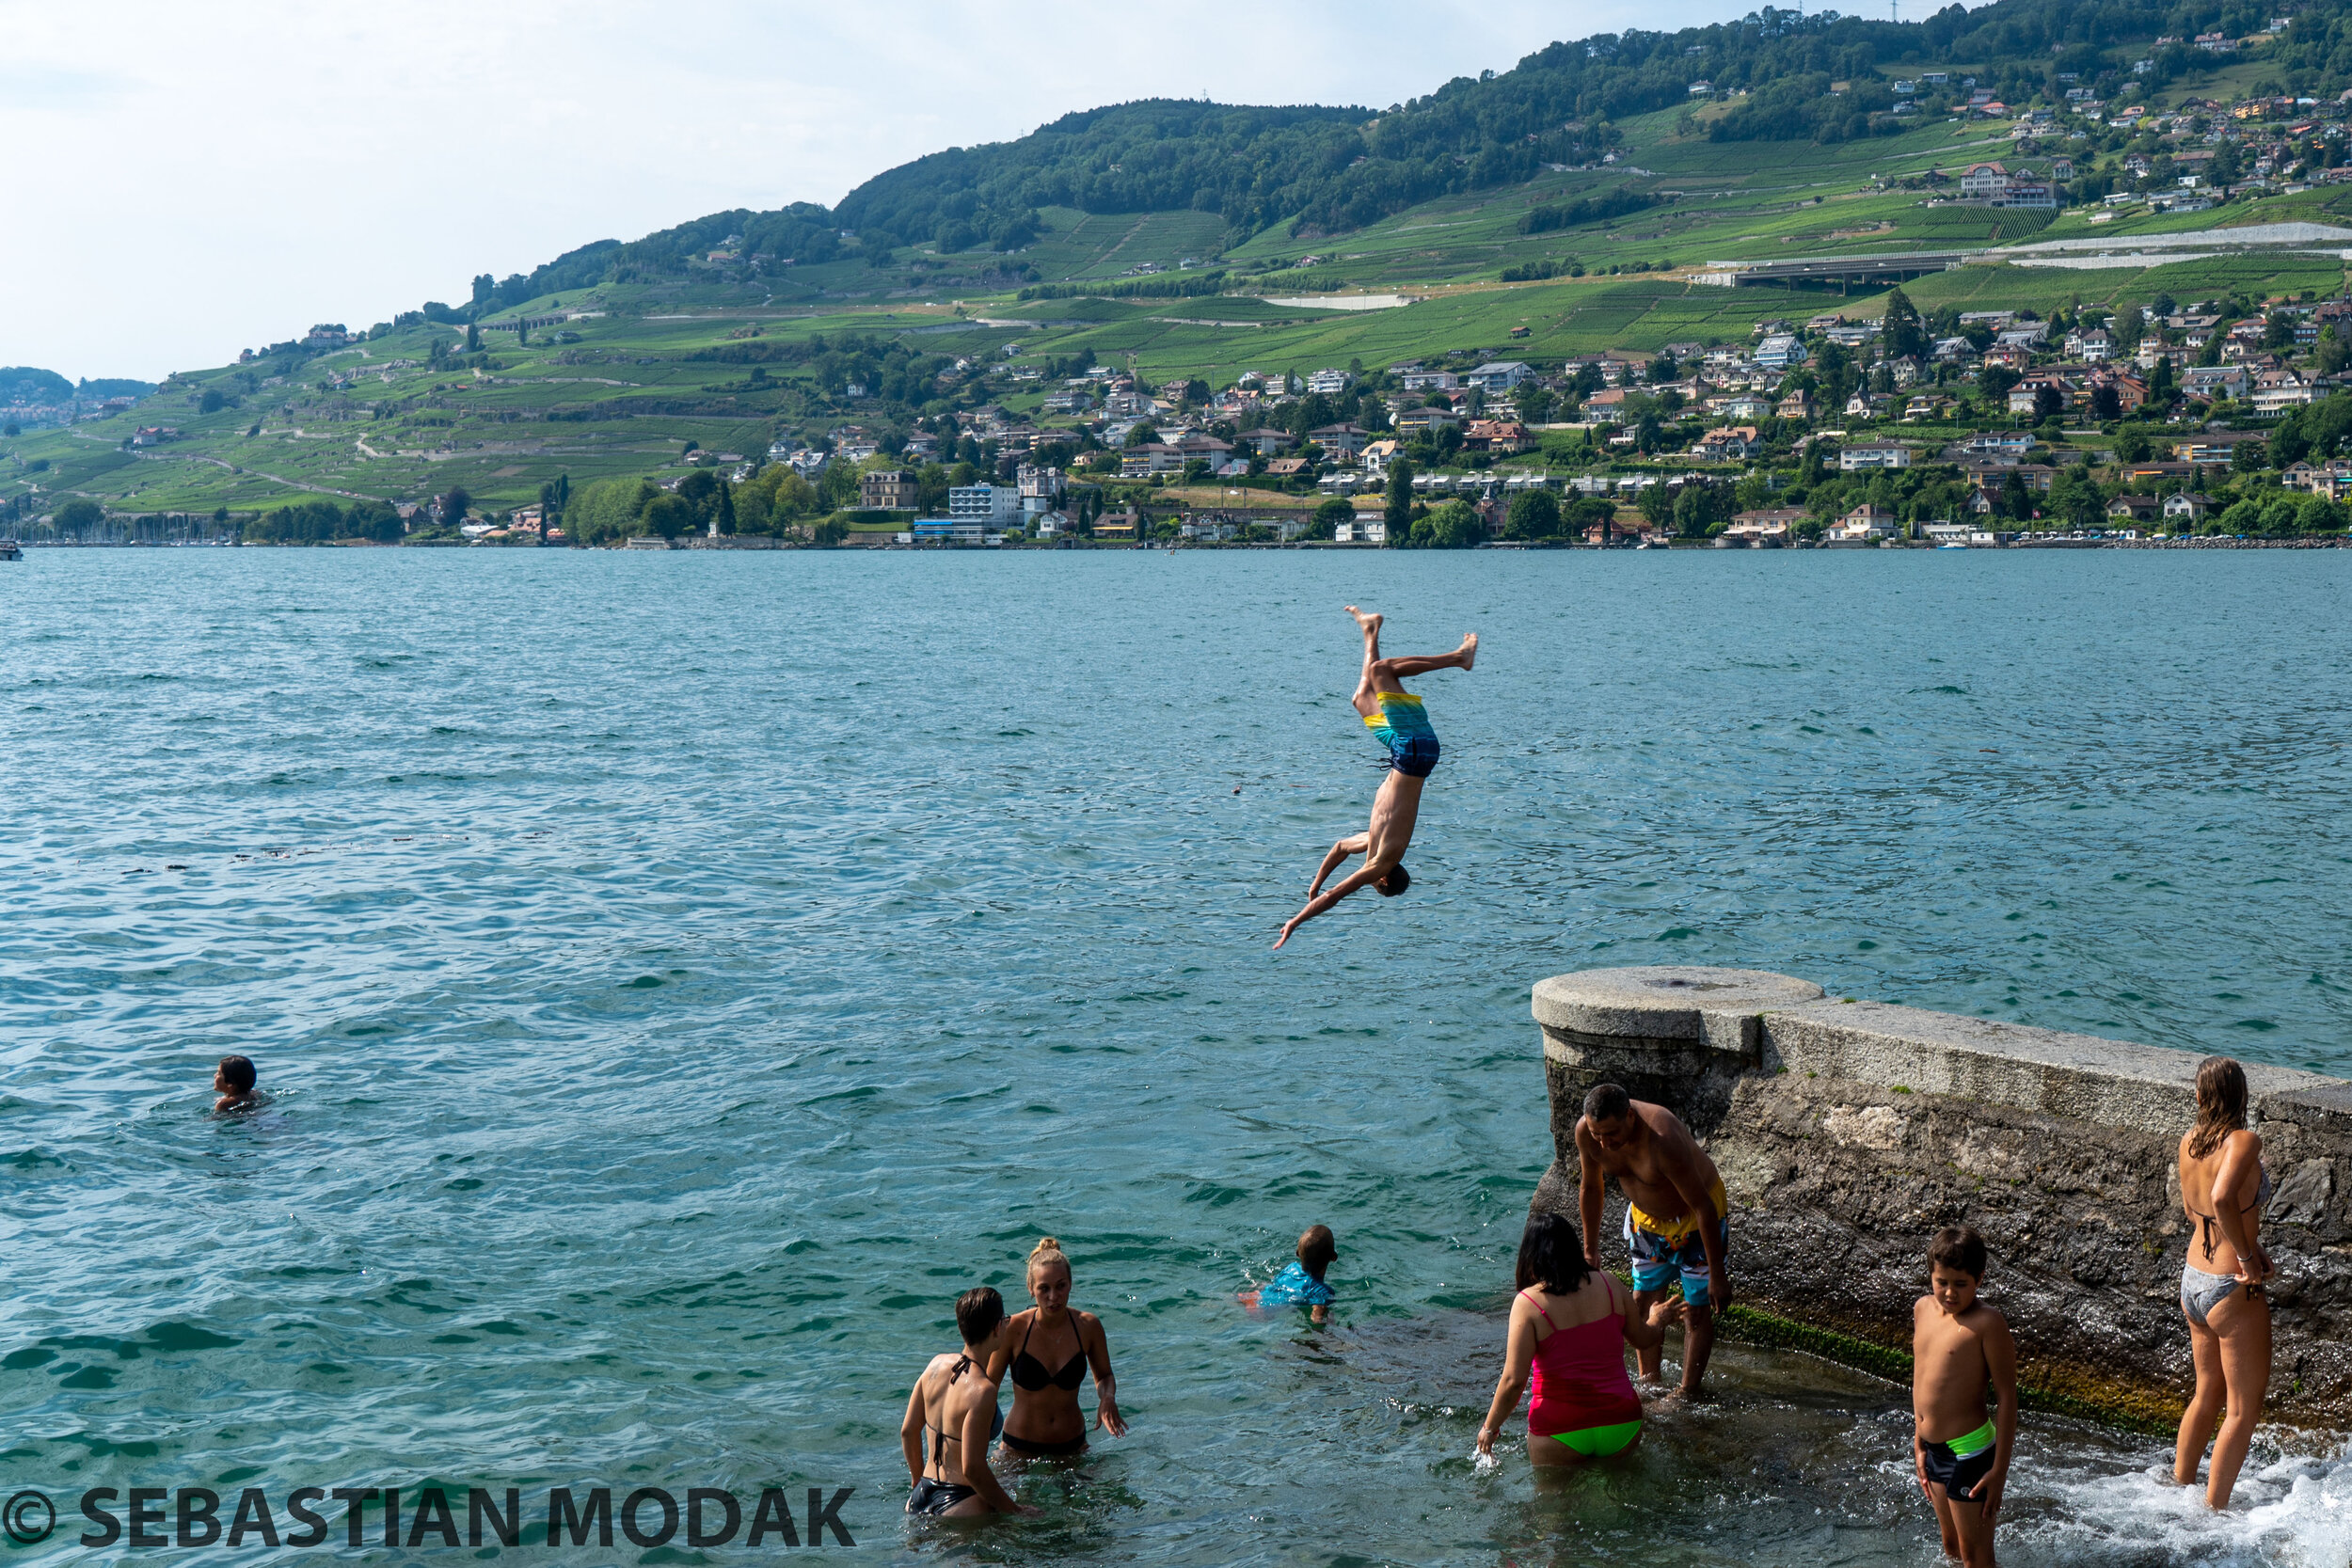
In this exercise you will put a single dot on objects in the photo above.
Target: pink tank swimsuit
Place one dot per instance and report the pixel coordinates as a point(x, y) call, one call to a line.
point(1580, 1379)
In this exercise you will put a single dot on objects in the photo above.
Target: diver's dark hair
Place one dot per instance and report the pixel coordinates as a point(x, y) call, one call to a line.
point(238, 1074)
point(1396, 881)
point(978, 1311)
point(1958, 1246)
point(1551, 1255)
point(1608, 1102)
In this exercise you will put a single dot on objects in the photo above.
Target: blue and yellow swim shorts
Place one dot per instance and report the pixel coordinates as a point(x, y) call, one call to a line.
point(1402, 727)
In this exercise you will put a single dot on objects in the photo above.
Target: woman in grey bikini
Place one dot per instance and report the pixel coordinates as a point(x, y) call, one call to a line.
point(2223, 1186)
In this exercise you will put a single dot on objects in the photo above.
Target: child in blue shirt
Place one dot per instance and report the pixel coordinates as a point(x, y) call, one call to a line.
point(1301, 1284)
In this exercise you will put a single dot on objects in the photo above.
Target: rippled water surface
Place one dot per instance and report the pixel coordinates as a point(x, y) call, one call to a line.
point(678, 975)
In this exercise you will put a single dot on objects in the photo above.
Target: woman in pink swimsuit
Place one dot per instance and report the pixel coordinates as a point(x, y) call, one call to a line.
point(1570, 1324)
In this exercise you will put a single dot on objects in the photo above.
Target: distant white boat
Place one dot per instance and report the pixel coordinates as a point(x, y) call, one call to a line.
point(10, 550)
point(1951, 547)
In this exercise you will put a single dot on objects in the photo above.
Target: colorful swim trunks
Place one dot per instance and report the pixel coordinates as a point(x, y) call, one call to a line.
point(1663, 1248)
point(1402, 727)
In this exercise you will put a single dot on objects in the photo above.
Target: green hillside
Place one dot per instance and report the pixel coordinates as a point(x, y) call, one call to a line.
point(745, 328)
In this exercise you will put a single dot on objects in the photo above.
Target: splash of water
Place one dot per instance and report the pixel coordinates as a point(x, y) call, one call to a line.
point(2292, 1509)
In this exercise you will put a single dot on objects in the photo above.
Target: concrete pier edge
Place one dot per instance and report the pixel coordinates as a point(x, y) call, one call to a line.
point(1847, 1131)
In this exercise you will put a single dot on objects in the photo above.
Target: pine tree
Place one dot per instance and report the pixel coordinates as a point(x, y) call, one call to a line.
point(1903, 335)
point(1398, 514)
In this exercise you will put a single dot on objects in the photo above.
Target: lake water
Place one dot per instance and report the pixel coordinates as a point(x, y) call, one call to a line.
point(678, 975)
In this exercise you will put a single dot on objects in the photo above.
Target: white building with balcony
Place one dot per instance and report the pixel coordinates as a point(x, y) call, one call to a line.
point(995, 505)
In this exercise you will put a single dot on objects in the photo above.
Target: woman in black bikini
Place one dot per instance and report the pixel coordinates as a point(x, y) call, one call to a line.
point(951, 1416)
point(2223, 1187)
point(1053, 1348)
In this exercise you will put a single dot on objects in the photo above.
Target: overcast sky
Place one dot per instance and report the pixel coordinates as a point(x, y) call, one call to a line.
point(190, 180)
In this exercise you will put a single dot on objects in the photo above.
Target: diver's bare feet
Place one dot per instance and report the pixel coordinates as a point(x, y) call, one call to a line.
point(1469, 649)
point(1369, 623)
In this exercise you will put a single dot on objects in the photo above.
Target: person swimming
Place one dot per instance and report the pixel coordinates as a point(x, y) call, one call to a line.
point(1054, 1344)
point(951, 1416)
point(1301, 1284)
point(234, 1081)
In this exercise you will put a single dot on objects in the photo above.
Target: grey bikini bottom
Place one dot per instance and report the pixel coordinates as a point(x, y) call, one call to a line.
point(2201, 1292)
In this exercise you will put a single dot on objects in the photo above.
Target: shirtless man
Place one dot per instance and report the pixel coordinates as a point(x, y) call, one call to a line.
point(951, 1418)
point(1673, 1222)
point(1957, 1344)
point(1395, 718)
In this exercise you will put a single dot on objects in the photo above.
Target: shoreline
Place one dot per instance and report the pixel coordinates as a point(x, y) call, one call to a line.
point(757, 544)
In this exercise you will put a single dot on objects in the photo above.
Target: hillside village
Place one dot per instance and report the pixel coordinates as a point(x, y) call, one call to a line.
point(2170, 421)
point(2088, 406)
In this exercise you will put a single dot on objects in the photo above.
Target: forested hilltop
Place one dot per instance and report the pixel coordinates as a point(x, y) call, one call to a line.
point(1332, 170)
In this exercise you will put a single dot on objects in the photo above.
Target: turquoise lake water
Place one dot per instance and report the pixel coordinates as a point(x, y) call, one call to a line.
point(678, 975)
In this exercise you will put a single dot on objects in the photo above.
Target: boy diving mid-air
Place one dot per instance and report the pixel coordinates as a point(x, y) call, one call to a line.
point(1396, 720)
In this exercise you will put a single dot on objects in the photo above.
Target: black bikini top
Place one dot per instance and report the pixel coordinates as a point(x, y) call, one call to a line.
point(939, 1449)
point(2261, 1195)
point(1030, 1373)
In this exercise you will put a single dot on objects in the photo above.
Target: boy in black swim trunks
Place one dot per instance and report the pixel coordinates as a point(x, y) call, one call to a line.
point(1395, 718)
point(1957, 1343)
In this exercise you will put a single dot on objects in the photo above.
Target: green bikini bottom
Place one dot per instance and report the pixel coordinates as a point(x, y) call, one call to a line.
point(1600, 1442)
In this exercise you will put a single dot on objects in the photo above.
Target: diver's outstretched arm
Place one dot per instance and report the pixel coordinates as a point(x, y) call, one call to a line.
point(1331, 862)
point(1361, 876)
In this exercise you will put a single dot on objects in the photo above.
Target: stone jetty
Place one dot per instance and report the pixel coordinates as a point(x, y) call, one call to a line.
point(1847, 1131)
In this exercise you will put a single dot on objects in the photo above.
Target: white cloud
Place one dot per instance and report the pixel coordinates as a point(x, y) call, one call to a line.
point(195, 179)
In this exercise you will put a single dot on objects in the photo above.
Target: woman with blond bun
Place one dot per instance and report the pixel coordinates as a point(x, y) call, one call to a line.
point(1048, 1350)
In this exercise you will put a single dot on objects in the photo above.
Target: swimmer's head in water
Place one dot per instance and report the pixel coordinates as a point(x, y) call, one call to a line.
point(1049, 1274)
point(236, 1075)
point(1609, 1113)
point(1552, 1256)
point(978, 1311)
point(1396, 881)
point(1317, 1247)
